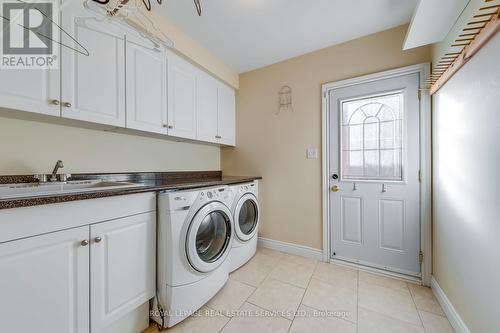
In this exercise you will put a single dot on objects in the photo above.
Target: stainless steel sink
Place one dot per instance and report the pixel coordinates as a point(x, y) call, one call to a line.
point(11, 191)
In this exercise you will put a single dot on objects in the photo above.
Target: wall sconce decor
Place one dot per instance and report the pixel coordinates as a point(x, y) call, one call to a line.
point(285, 99)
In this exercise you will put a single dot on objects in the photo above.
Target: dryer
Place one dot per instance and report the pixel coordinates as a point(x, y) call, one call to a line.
point(195, 235)
point(245, 210)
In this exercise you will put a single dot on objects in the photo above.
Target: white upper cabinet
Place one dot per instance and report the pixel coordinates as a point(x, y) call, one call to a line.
point(215, 110)
point(92, 87)
point(44, 284)
point(181, 97)
point(122, 82)
point(146, 88)
point(34, 90)
point(206, 108)
point(123, 267)
point(227, 115)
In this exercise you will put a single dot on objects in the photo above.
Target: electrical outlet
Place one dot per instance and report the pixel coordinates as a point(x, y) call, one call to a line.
point(312, 153)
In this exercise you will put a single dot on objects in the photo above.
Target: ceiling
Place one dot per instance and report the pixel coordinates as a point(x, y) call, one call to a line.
point(248, 34)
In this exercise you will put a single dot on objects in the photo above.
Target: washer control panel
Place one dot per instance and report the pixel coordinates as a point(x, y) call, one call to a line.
point(222, 194)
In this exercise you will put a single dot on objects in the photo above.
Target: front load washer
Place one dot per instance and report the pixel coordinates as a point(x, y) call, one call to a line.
point(195, 229)
point(245, 211)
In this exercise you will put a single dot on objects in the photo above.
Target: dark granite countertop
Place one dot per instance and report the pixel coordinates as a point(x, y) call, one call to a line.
point(147, 182)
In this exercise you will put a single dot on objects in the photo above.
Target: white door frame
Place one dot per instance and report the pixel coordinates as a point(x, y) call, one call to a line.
point(425, 159)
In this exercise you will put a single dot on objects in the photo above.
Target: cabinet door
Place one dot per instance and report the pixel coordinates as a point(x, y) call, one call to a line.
point(146, 88)
point(206, 108)
point(227, 113)
point(181, 97)
point(123, 261)
point(44, 283)
point(33, 90)
point(92, 87)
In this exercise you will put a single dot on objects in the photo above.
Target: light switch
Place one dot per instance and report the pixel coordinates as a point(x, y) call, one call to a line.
point(312, 153)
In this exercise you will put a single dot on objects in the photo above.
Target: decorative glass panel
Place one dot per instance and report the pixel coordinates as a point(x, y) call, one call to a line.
point(372, 138)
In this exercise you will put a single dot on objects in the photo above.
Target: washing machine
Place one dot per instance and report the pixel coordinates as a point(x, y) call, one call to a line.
point(245, 210)
point(195, 229)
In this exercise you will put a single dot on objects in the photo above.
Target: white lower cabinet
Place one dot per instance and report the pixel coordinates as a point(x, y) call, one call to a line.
point(78, 280)
point(44, 283)
point(122, 261)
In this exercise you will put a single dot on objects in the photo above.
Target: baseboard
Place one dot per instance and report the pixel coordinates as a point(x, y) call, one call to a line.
point(300, 250)
point(452, 314)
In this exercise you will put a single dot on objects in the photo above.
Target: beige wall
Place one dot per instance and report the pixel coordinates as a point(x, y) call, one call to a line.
point(29, 147)
point(274, 146)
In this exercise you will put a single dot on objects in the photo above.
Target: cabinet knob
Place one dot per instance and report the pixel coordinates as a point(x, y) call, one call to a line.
point(55, 102)
point(67, 104)
point(84, 242)
point(170, 126)
point(98, 239)
point(218, 137)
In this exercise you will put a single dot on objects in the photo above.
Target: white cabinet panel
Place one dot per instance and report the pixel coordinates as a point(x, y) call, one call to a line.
point(94, 85)
point(206, 108)
point(30, 90)
point(44, 284)
point(227, 115)
point(181, 97)
point(146, 89)
point(123, 261)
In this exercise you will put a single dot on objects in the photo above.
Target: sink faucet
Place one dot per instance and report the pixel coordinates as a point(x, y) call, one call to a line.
point(59, 165)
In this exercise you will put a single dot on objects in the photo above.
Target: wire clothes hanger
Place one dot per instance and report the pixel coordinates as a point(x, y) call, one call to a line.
point(128, 15)
point(147, 4)
point(85, 52)
point(198, 6)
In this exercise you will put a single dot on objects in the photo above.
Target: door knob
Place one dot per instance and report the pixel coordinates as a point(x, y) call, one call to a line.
point(335, 188)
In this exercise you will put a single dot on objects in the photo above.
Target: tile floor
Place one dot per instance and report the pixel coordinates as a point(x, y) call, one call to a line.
point(277, 292)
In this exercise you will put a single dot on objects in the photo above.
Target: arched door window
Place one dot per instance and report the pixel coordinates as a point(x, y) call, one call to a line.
point(372, 138)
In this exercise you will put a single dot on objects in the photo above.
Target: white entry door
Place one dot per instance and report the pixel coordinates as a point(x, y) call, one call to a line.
point(374, 174)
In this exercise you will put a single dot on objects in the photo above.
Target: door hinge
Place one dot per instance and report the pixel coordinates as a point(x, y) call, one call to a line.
point(419, 94)
point(419, 176)
point(324, 94)
point(421, 257)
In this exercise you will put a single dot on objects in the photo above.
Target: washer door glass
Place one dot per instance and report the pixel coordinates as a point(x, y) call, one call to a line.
point(213, 236)
point(247, 218)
